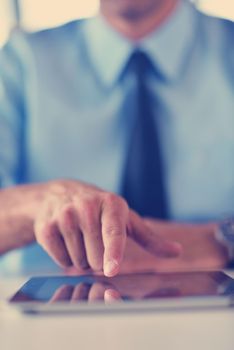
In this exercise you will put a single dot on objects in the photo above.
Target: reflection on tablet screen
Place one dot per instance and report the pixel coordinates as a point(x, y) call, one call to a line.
point(124, 287)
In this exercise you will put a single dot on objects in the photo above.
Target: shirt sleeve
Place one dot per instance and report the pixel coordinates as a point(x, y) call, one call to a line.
point(11, 116)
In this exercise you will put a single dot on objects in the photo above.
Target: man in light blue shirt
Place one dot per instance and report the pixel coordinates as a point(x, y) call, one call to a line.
point(64, 114)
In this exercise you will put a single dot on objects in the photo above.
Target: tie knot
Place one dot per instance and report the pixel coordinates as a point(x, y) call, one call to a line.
point(140, 63)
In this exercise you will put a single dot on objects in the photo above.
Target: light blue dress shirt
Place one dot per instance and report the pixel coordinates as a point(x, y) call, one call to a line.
point(64, 111)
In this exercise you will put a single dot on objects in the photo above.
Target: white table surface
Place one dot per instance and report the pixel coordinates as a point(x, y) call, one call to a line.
point(208, 330)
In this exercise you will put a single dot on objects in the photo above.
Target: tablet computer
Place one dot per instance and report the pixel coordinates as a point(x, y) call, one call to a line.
point(132, 292)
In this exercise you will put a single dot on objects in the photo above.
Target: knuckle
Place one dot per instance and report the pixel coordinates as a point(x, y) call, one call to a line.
point(88, 213)
point(123, 204)
point(111, 198)
point(113, 231)
point(47, 233)
point(88, 206)
point(114, 201)
point(67, 212)
point(66, 217)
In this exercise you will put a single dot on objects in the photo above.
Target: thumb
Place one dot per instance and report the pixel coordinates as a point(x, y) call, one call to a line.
point(151, 241)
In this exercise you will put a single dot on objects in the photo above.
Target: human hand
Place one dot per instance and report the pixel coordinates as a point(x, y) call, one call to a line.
point(200, 249)
point(83, 226)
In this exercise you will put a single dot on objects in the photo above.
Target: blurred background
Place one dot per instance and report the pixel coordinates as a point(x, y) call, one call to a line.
point(34, 14)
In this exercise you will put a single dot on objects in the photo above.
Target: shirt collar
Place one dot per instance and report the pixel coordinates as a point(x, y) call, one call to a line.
point(167, 46)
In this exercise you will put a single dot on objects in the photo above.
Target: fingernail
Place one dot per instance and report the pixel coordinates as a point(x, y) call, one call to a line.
point(111, 268)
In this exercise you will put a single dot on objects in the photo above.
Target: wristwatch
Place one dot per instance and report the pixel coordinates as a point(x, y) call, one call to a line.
point(225, 236)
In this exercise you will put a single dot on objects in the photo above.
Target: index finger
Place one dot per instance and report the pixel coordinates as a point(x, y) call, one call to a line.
point(114, 232)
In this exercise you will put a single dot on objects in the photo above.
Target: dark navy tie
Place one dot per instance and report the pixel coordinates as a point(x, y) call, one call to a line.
point(143, 178)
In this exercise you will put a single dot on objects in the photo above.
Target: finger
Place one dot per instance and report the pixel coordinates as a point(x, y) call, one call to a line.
point(151, 241)
point(80, 292)
point(49, 237)
point(89, 221)
point(97, 292)
point(73, 238)
point(64, 293)
point(112, 295)
point(114, 231)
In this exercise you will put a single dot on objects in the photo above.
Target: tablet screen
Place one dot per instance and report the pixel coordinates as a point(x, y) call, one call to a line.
point(125, 287)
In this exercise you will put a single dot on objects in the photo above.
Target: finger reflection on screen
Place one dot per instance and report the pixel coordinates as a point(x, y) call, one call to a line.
point(86, 292)
point(63, 293)
point(80, 292)
point(112, 295)
point(96, 288)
